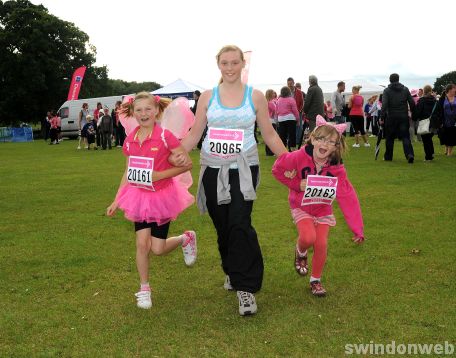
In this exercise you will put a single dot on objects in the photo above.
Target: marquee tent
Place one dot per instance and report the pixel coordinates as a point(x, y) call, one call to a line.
point(178, 88)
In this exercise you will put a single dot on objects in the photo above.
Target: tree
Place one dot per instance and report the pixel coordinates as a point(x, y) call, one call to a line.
point(38, 53)
point(441, 82)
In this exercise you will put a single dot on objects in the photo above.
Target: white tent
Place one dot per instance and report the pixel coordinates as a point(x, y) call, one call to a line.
point(178, 88)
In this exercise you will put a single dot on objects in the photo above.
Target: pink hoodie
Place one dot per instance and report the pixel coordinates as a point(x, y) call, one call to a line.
point(302, 161)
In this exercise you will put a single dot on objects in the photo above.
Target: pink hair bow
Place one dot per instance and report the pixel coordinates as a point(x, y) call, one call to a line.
point(130, 100)
point(340, 128)
point(157, 98)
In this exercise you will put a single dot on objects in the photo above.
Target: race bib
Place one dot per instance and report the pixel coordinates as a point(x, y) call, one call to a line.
point(225, 142)
point(319, 190)
point(139, 172)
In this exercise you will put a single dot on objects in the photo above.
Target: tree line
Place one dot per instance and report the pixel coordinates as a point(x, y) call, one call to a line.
point(38, 55)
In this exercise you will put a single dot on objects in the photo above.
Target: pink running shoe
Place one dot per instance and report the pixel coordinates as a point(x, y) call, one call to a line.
point(189, 248)
point(301, 266)
point(317, 289)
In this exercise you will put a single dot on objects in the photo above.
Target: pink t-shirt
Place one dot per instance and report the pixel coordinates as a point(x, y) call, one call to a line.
point(153, 147)
point(287, 106)
point(357, 105)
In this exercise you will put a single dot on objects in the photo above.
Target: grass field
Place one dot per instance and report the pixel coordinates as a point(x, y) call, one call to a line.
point(68, 275)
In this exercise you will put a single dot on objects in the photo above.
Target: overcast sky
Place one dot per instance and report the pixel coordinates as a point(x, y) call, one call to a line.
point(148, 40)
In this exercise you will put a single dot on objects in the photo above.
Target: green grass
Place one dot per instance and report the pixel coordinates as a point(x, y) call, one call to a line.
point(68, 273)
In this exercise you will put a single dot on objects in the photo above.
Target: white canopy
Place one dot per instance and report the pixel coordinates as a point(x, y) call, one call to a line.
point(178, 88)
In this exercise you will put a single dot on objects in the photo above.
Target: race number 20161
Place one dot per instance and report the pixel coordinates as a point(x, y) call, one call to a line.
point(320, 190)
point(225, 142)
point(139, 172)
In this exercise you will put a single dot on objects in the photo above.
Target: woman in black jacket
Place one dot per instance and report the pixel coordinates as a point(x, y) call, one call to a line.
point(424, 108)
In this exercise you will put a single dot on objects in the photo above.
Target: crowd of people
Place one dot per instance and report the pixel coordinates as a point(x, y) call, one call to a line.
point(102, 129)
point(397, 110)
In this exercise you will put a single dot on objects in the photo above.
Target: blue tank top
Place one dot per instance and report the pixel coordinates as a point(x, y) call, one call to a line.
point(242, 117)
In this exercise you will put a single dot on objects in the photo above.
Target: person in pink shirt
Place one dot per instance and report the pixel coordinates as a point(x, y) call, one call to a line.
point(329, 111)
point(55, 128)
point(287, 115)
point(272, 109)
point(311, 206)
point(148, 193)
point(355, 104)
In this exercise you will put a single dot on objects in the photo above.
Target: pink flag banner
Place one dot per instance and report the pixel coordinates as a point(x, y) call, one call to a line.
point(76, 83)
point(245, 70)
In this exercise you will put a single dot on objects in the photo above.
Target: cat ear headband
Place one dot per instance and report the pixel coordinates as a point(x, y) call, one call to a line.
point(340, 128)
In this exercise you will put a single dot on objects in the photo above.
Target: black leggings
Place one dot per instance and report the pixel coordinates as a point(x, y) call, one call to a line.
point(287, 132)
point(237, 239)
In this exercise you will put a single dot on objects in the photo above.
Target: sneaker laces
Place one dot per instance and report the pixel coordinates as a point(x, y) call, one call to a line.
point(246, 298)
point(143, 296)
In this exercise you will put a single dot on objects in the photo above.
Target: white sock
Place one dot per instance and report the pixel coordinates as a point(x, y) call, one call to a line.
point(301, 254)
point(313, 279)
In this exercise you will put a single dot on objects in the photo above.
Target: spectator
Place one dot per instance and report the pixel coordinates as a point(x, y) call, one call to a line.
point(105, 129)
point(313, 104)
point(424, 108)
point(287, 115)
point(82, 121)
point(298, 95)
point(355, 103)
point(329, 113)
point(395, 107)
point(272, 109)
point(447, 115)
point(338, 102)
point(55, 125)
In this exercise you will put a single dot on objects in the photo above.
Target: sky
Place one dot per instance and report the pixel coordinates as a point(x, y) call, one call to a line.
point(160, 41)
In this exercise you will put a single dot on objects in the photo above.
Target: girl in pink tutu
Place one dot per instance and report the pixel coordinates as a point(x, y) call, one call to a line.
point(149, 194)
point(316, 176)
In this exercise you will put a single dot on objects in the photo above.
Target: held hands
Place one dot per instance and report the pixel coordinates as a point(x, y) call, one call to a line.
point(112, 209)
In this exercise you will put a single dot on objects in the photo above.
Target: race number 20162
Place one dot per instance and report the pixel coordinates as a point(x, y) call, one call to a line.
point(320, 190)
point(139, 172)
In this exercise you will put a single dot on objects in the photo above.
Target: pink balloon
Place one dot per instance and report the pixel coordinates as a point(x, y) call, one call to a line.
point(129, 123)
point(178, 118)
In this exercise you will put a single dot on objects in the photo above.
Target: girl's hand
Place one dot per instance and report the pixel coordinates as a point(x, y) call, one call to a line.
point(290, 174)
point(358, 240)
point(111, 209)
point(303, 184)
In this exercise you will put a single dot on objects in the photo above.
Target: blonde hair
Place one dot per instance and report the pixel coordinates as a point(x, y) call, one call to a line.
point(329, 130)
point(228, 48)
point(269, 94)
point(161, 102)
point(356, 88)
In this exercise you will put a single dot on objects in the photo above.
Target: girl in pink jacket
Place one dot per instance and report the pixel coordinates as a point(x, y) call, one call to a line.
point(316, 176)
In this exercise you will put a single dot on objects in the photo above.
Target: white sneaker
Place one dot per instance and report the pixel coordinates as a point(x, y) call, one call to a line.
point(227, 285)
point(189, 248)
point(355, 145)
point(79, 147)
point(143, 299)
point(247, 304)
point(367, 144)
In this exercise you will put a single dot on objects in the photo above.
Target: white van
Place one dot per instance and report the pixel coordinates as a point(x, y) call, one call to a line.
point(69, 112)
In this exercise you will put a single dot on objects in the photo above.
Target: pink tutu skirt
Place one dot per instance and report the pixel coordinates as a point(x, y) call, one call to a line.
point(159, 206)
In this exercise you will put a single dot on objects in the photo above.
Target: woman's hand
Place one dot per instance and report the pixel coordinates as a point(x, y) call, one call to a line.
point(112, 209)
point(179, 160)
